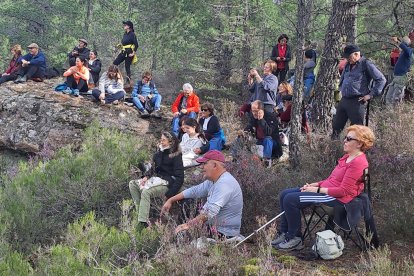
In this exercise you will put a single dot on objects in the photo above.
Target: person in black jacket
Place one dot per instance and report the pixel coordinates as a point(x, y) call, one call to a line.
point(282, 54)
point(210, 125)
point(264, 125)
point(79, 51)
point(94, 66)
point(129, 46)
point(164, 182)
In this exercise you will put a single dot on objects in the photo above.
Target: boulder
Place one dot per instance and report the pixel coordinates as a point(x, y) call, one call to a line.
point(33, 115)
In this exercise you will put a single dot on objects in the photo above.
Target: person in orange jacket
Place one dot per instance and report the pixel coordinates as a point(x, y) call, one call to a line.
point(186, 104)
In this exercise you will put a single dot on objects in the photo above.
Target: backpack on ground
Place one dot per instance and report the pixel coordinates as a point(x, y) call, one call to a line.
point(328, 245)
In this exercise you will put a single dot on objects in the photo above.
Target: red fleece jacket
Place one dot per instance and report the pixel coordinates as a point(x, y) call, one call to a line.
point(193, 103)
point(346, 181)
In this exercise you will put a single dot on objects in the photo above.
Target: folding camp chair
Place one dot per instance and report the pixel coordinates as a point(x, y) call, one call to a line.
point(346, 217)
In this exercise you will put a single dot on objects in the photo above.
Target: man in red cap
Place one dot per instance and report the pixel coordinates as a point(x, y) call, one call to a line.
point(223, 210)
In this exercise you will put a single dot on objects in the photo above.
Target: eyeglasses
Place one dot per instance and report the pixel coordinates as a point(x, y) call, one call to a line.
point(349, 139)
point(204, 110)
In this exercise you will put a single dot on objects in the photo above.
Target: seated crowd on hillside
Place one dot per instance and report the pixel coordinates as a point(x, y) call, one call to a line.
point(197, 137)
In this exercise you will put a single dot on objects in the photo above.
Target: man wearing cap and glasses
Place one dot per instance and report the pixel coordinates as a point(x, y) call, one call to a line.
point(33, 65)
point(356, 89)
point(223, 210)
point(79, 51)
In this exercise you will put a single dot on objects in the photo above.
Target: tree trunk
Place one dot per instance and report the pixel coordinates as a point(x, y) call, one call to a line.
point(304, 6)
point(328, 70)
point(351, 24)
point(88, 18)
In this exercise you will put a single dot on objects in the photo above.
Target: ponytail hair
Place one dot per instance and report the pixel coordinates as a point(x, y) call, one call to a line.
point(193, 123)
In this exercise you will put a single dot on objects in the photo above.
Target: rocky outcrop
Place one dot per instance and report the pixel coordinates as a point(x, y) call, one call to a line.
point(33, 115)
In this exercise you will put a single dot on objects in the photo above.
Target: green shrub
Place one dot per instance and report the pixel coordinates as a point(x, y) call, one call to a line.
point(13, 263)
point(42, 199)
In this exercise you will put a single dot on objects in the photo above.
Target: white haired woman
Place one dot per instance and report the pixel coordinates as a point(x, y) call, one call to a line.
point(186, 104)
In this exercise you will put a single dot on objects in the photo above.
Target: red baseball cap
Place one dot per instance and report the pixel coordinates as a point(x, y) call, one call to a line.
point(211, 155)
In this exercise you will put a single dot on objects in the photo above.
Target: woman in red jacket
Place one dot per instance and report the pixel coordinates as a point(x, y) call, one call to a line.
point(282, 54)
point(344, 184)
point(14, 65)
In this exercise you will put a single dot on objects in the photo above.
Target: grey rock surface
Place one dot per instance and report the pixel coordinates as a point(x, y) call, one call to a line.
point(33, 115)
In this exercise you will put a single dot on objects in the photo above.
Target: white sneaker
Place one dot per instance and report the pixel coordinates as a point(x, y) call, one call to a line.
point(292, 244)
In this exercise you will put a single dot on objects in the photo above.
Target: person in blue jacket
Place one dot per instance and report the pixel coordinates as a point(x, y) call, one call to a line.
point(33, 65)
point(145, 90)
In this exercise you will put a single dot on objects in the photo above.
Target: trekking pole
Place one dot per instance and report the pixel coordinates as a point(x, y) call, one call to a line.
point(367, 114)
point(263, 226)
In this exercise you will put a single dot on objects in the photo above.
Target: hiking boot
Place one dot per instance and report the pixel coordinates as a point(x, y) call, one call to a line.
point(156, 114)
point(144, 113)
point(75, 92)
point(267, 163)
point(292, 244)
point(116, 102)
point(21, 79)
point(280, 238)
point(67, 91)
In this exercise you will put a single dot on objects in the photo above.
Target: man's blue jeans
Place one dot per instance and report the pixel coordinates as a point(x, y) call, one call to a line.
point(176, 121)
point(268, 146)
point(155, 101)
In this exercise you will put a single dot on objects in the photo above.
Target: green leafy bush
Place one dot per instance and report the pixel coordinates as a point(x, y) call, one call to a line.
point(42, 199)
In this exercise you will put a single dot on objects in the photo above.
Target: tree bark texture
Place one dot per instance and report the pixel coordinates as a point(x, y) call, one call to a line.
point(328, 71)
point(351, 25)
point(296, 119)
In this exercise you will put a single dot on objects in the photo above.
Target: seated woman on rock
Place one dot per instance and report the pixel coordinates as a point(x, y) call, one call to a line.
point(14, 65)
point(111, 86)
point(166, 181)
point(94, 66)
point(344, 184)
point(211, 127)
point(77, 77)
point(192, 141)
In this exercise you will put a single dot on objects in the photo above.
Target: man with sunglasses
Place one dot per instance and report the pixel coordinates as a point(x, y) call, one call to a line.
point(224, 206)
point(145, 92)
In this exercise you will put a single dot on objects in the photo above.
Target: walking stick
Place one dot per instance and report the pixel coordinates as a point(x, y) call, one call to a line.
point(367, 114)
point(263, 226)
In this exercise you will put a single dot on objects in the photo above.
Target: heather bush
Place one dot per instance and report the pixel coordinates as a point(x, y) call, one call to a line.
point(45, 196)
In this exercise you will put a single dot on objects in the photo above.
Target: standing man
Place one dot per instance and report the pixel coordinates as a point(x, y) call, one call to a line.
point(356, 89)
point(395, 92)
point(264, 125)
point(223, 210)
point(33, 65)
point(79, 51)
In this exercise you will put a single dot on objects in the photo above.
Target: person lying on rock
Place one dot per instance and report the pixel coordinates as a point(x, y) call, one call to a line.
point(145, 92)
point(77, 77)
point(223, 209)
point(79, 51)
point(33, 65)
point(14, 65)
point(111, 86)
point(166, 181)
point(187, 104)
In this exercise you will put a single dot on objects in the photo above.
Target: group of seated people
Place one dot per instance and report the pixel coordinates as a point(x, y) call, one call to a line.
point(222, 212)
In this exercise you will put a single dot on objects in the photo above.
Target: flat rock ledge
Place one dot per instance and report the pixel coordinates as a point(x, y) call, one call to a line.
point(33, 115)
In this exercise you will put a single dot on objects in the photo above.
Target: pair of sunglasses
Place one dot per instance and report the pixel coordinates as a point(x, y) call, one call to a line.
point(349, 139)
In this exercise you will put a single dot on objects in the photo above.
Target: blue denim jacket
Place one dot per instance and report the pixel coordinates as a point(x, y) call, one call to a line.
point(356, 82)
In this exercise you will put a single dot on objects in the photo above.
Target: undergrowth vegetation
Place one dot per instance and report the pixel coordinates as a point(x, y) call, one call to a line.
point(71, 213)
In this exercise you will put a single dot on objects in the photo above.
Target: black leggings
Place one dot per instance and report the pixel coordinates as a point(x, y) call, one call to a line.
point(281, 74)
point(7, 78)
point(82, 86)
point(123, 56)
